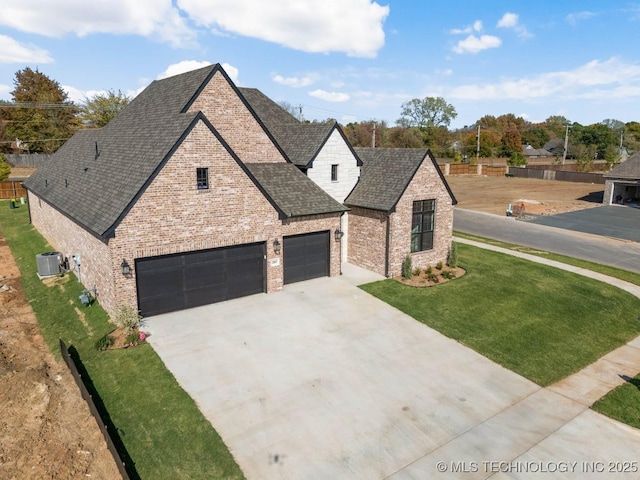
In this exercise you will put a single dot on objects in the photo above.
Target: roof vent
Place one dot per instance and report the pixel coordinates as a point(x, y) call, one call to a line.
point(97, 151)
point(49, 263)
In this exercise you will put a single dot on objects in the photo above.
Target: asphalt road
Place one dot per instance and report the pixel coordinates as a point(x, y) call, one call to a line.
point(600, 249)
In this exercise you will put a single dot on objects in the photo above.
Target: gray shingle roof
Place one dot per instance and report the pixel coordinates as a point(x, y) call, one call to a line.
point(292, 191)
point(386, 173)
point(96, 191)
point(629, 169)
point(299, 141)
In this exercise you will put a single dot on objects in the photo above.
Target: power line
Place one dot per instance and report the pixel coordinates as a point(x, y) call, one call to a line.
point(38, 105)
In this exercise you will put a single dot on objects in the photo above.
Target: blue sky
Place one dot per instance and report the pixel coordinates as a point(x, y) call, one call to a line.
point(353, 60)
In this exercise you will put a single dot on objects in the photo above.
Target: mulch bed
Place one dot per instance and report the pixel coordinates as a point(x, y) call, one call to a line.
point(424, 279)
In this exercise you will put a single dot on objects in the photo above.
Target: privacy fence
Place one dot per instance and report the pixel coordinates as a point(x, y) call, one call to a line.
point(563, 176)
point(12, 189)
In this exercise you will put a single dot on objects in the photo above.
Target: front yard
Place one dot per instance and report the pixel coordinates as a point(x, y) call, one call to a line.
point(538, 321)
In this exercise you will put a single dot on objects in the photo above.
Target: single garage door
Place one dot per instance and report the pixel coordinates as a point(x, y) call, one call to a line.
point(175, 282)
point(306, 256)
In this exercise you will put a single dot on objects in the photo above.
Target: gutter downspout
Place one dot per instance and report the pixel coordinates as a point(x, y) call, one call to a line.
point(386, 247)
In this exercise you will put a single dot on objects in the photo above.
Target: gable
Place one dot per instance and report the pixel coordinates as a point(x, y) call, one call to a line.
point(222, 104)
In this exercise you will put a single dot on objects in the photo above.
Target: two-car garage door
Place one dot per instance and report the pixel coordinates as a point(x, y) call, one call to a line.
point(175, 282)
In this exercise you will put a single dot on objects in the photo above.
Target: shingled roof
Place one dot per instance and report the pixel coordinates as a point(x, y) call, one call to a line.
point(98, 174)
point(292, 191)
point(299, 141)
point(386, 174)
point(629, 169)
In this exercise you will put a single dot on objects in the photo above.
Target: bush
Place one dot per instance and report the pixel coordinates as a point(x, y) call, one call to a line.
point(452, 261)
point(126, 318)
point(417, 271)
point(428, 270)
point(439, 265)
point(433, 278)
point(448, 274)
point(103, 343)
point(5, 168)
point(406, 266)
point(517, 159)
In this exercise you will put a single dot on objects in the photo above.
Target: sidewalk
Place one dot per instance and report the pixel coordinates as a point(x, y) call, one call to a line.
point(597, 379)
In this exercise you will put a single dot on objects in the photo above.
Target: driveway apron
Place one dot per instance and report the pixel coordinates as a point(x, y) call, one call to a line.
point(322, 380)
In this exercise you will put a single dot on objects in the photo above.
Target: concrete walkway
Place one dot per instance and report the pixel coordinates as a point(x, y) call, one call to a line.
point(597, 379)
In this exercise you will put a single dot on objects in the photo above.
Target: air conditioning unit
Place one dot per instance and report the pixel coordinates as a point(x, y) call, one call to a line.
point(48, 263)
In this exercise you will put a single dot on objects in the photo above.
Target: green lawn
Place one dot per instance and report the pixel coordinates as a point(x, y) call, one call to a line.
point(161, 434)
point(541, 322)
point(622, 403)
point(619, 273)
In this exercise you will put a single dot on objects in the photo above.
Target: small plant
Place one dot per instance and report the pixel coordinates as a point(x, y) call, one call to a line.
point(417, 271)
point(406, 267)
point(439, 265)
point(452, 261)
point(432, 277)
point(448, 274)
point(126, 318)
point(429, 270)
point(134, 339)
point(103, 343)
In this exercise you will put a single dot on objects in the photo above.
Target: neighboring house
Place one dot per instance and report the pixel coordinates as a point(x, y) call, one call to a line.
point(529, 152)
point(199, 192)
point(555, 147)
point(402, 204)
point(622, 184)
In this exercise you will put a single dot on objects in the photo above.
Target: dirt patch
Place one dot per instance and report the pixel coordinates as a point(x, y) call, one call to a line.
point(46, 429)
point(542, 197)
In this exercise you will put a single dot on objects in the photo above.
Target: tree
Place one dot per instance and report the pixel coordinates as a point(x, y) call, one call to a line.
point(400, 137)
point(5, 168)
point(98, 110)
point(430, 112)
point(290, 108)
point(511, 142)
point(535, 136)
point(42, 116)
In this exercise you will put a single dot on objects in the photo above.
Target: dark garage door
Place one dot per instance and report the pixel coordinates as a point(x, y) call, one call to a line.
point(175, 282)
point(306, 256)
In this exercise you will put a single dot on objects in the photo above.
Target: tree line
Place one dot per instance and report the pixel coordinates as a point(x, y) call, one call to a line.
point(40, 117)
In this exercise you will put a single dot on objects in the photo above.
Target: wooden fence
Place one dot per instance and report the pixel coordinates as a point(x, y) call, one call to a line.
point(466, 169)
point(564, 176)
point(12, 189)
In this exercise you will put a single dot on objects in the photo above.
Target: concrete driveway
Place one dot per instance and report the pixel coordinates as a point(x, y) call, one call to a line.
point(323, 381)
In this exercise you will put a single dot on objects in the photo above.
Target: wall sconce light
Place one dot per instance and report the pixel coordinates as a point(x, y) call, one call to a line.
point(338, 234)
point(276, 246)
point(126, 269)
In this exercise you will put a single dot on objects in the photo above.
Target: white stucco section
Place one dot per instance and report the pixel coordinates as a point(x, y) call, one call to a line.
point(335, 152)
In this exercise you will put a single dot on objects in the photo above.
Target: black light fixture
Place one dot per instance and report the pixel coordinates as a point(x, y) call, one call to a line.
point(126, 269)
point(338, 234)
point(276, 246)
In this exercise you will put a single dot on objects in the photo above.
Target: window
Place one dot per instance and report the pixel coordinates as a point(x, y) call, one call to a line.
point(334, 173)
point(422, 225)
point(202, 178)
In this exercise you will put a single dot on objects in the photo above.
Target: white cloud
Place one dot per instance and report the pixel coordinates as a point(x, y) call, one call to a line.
point(446, 72)
point(330, 96)
point(608, 79)
point(473, 44)
point(182, 67)
point(512, 21)
point(4, 91)
point(149, 18)
point(353, 27)
point(574, 18)
point(296, 82)
point(78, 96)
point(476, 27)
point(12, 51)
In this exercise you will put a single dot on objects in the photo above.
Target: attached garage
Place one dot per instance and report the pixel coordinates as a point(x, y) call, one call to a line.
point(175, 282)
point(306, 256)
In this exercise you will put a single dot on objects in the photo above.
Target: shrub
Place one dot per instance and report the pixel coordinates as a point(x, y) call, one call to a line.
point(448, 274)
point(103, 343)
point(406, 266)
point(439, 265)
point(417, 271)
point(5, 168)
point(517, 159)
point(452, 261)
point(428, 270)
point(126, 318)
point(433, 278)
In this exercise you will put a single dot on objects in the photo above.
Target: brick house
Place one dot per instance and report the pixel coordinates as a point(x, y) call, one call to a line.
point(200, 192)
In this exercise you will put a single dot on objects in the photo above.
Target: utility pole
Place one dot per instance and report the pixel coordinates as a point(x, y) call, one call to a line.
point(373, 136)
point(478, 145)
point(566, 144)
point(621, 136)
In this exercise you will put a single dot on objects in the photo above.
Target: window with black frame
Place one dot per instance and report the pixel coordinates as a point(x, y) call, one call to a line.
point(422, 225)
point(202, 178)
